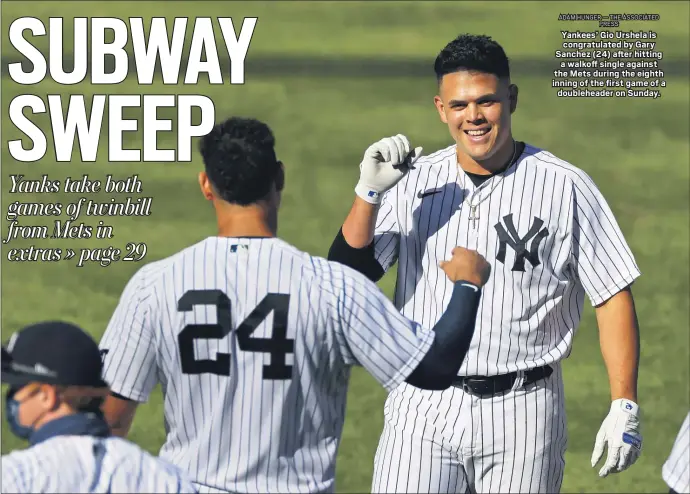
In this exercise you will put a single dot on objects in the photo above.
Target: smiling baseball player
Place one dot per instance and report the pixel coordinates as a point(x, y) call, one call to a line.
point(553, 239)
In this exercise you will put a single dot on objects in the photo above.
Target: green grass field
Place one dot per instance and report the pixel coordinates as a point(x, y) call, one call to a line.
point(636, 151)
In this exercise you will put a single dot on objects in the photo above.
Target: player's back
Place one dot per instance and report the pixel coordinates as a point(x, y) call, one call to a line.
point(254, 388)
point(73, 464)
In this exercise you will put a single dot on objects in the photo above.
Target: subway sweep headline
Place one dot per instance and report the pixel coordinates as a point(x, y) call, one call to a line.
point(99, 39)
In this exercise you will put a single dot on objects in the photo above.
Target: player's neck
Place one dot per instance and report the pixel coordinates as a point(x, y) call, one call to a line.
point(249, 221)
point(62, 411)
point(249, 227)
point(486, 167)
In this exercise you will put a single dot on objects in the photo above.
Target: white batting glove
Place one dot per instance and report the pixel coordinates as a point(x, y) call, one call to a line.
point(621, 432)
point(385, 163)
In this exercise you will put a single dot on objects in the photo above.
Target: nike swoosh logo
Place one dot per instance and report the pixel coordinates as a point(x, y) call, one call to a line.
point(421, 194)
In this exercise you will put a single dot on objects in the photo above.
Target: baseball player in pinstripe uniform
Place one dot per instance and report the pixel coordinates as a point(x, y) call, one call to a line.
point(676, 469)
point(54, 398)
point(552, 239)
point(252, 339)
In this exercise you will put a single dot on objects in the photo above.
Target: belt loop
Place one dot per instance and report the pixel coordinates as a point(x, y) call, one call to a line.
point(519, 380)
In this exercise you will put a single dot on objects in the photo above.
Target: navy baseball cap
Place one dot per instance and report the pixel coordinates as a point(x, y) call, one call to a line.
point(52, 352)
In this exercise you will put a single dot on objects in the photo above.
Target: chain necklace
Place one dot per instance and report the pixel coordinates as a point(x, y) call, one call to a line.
point(474, 208)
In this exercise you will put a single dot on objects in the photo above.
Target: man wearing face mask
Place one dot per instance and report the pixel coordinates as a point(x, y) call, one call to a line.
point(552, 239)
point(55, 392)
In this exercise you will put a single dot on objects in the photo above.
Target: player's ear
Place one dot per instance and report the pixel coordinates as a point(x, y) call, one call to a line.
point(49, 397)
point(438, 102)
point(513, 96)
point(205, 185)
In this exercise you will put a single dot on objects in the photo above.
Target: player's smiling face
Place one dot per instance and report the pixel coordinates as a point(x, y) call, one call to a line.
point(477, 108)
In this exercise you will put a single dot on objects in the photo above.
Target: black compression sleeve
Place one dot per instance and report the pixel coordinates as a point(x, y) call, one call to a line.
point(362, 260)
point(454, 333)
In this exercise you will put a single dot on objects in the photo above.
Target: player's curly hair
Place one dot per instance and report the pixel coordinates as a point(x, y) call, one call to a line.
point(472, 52)
point(240, 160)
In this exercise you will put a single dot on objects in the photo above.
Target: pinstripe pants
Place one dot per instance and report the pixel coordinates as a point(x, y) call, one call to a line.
point(451, 441)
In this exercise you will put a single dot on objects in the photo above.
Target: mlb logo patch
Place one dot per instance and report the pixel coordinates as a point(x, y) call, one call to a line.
point(372, 193)
point(234, 247)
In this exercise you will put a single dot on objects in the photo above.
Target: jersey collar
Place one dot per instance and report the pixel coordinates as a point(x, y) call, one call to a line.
point(464, 179)
point(78, 424)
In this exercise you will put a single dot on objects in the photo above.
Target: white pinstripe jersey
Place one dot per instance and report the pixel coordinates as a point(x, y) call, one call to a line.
point(252, 341)
point(676, 469)
point(89, 464)
point(545, 228)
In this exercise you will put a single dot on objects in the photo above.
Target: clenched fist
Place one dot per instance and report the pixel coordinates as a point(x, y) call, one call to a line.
point(385, 163)
point(467, 265)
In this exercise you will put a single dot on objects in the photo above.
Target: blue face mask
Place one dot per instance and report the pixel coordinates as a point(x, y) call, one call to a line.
point(12, 413)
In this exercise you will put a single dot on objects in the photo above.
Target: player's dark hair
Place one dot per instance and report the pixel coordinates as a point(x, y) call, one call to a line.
point(240, 160)
point(472, 52)
point(78, 402)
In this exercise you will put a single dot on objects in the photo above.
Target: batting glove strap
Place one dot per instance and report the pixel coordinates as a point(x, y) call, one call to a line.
point(368, 193)
point(626, 405)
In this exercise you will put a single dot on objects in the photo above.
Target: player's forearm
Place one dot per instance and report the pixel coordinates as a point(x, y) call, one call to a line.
point(119, 413)
point(620, 344)
point(358, 228)
point(356, 250)
point(454, 332)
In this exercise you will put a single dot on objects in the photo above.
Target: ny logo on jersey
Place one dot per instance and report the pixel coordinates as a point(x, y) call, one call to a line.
point(508, 236)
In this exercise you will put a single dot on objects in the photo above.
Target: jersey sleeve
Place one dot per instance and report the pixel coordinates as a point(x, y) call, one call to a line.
point(387, 230)
point(601, 258)
point(372, 333)
point(128, 345)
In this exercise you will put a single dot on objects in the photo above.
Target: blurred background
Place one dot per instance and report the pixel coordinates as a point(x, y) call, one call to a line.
point(331, 78)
